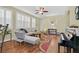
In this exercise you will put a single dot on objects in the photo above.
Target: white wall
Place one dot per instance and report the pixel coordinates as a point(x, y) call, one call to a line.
point(60, 22)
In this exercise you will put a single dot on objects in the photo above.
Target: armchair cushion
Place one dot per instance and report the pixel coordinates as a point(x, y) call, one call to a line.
point(20, 35)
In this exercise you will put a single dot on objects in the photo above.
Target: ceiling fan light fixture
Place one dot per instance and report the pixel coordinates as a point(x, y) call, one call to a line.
point(41, 10)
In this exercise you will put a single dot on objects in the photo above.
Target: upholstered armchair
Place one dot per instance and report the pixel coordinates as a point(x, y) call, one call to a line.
point(19, 36)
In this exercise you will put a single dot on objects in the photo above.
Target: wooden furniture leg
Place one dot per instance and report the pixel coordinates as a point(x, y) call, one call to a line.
point(58, 48)
point(68, 50)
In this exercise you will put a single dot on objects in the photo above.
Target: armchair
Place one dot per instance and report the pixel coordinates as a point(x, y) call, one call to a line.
point(20, 36)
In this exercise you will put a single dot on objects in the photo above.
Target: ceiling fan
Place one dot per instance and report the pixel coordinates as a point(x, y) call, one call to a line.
point(41, 11)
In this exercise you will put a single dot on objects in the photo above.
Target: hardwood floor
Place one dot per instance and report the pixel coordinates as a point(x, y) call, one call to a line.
point(14, 47)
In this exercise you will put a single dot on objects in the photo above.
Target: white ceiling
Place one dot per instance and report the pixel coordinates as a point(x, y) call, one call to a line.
point(52, 10)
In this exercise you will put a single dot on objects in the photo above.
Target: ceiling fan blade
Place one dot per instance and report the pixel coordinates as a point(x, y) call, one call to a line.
point(41, 8)
point(45, 11)
point(36, 12)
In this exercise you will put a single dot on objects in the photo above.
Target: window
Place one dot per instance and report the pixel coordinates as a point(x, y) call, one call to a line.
point(2, 16)
point(22, 21)
point(33, 23)
point(8, 18)
point(25, 21)
point(5, 17)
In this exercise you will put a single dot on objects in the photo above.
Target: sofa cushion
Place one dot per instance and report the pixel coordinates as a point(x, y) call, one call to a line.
point(31, 39)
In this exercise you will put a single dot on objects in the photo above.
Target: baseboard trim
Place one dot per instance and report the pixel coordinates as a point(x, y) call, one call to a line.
point(7, 40)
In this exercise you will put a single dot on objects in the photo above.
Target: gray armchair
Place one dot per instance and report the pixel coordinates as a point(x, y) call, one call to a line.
point(20, 36)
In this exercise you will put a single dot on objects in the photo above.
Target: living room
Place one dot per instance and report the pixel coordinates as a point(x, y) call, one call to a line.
point(38, 25)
